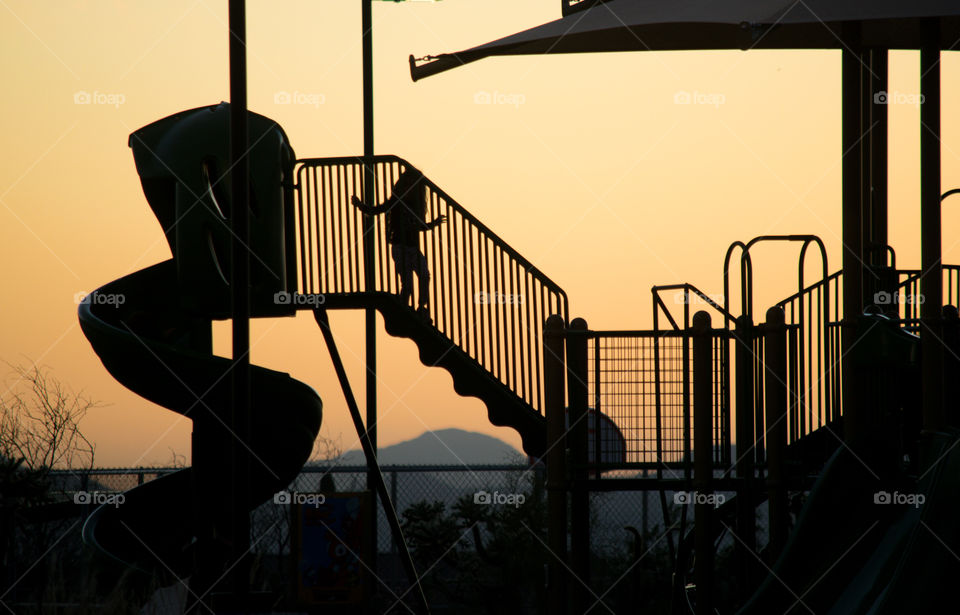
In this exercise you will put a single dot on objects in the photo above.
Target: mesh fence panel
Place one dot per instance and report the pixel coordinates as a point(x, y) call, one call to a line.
point(634, 535)
point(642, 381)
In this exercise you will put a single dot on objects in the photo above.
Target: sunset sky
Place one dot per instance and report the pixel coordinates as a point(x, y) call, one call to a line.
point(589, 168)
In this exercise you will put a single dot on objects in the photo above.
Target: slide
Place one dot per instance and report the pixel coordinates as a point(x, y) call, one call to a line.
point(861, 547)
point(152, 330)
point(161, 353)
point(875, 537)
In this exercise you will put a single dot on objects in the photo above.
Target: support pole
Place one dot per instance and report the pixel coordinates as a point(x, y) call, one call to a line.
point(370, 314)
point(703, 461)
point(239, 517)
point(553, 381)
point(577, 439)
point(879, 121)
point(746, 442)
point(874, 100)
point(380, 485)
point(931, 276)
point(775, 389)
point(951, 362)
point(851, 144)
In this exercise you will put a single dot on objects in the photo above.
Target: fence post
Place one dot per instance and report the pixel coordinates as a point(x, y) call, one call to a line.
point(553, 392)
point(703, 460)
point(577, 440)
point(746, 511)
point(393, 498)
point(951, 362)
point(775, 378)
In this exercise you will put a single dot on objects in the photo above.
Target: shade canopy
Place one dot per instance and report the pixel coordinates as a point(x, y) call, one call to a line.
point(665, 25)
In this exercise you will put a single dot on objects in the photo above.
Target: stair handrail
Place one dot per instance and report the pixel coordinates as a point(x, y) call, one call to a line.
point(470, 267)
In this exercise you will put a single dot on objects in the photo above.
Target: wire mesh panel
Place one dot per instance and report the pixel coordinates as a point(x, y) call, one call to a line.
point(642, 382)
point(483, 295)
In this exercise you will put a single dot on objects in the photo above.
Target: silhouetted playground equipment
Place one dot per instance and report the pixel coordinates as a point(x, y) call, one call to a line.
point(845, 390)
point(826, 369)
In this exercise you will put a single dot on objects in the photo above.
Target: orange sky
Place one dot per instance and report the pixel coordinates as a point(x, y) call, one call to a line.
point(598, 177)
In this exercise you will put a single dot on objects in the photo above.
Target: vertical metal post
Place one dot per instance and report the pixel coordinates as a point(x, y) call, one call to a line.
point(239, 517)
point(393, 498)
point(577, 439)
point(369, 237)
point(951, 362)
point(879, 120)
point(553, 385)
point(931, 276)
point(872, 152)
point(703, 460)
point(852, 121)
point(746, 517)
point(775, 377)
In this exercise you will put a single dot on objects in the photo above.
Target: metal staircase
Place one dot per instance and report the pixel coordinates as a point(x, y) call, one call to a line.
point(487, 303)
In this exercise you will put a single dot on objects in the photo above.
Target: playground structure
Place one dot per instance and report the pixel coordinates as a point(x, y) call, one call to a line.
point(825, 374)
point(683, 395)
point(822, 397)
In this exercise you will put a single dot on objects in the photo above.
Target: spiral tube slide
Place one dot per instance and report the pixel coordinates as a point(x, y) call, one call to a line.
point(163, 354)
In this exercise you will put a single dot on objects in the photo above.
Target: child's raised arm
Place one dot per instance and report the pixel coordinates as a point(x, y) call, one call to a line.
point(370, 211)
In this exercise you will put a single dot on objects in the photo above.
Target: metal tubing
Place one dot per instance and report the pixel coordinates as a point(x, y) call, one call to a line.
point(369, 255)
point(553, 384)
point(851, 140)
point(703, 461)
point(746, 518)
point(239, 517)
point(931, 277)
point(775, 376)
point(369, 452)
point(577, 441)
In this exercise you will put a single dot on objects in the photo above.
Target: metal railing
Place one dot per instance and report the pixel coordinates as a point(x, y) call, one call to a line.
point(814, 347)
point(685, 295)
point(905, 300)
point(642, 379)
point(484, 296)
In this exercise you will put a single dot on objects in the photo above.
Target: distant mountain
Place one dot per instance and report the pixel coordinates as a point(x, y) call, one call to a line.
point(442, 447)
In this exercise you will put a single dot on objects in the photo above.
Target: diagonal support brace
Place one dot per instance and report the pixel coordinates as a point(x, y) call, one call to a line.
point(388, 509)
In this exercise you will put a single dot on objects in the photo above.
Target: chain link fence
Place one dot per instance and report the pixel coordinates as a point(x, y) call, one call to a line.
point(477, 534)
